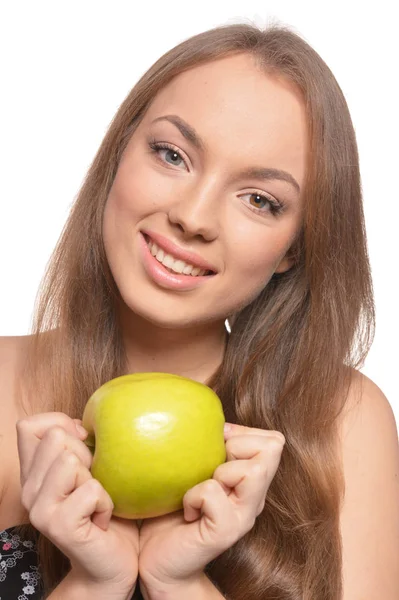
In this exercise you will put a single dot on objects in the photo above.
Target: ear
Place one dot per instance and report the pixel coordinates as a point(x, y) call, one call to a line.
point(286, 262)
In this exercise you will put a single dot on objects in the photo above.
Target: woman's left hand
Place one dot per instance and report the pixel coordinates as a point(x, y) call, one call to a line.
point(176, 548)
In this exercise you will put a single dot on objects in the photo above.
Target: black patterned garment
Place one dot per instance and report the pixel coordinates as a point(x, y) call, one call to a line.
point(20, 577)
point(19, 572)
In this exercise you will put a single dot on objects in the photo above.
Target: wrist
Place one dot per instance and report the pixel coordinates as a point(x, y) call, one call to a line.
point(198, 588)
point(76, 587)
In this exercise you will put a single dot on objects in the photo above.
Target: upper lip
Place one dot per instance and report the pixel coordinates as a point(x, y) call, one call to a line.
point(171, 248)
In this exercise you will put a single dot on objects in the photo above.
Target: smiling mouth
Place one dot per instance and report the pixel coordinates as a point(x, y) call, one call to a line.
point(173, 264)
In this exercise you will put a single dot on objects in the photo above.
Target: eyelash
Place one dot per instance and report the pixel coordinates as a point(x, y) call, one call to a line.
point(276, 207)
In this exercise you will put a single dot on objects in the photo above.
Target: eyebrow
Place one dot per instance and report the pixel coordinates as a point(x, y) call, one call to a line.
point(260, 173)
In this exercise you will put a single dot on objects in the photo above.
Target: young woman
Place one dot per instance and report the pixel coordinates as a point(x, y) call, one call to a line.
point(234, 162)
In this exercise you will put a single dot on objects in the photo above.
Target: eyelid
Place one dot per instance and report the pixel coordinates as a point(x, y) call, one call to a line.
point(263, 193)
point(170, 147)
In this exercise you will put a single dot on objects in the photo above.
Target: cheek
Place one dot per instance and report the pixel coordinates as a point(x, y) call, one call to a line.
point(256, 253)
point(134, 194)
point(252, 272)
point(118, 216)
point(252, 264)
point(127, 194)
point(137, 188)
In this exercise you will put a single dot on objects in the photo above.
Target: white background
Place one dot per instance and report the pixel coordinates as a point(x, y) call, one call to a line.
point(67, 66)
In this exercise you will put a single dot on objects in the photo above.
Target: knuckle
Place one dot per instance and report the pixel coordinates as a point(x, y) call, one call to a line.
point(278, 439)
point(56, 433)
point(275, 453)
point(210, 485)
point(37, 518)
point(94, 487)
point(218, 472)
point(97, 491)
point(70, 459)
point(22, 424)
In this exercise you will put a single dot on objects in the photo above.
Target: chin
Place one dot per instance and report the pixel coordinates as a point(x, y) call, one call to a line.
point(150, 313)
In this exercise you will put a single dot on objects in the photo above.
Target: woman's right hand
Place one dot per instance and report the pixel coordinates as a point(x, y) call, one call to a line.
point(70, 507)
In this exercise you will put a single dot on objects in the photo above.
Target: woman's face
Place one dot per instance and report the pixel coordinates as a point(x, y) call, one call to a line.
point(198, 196)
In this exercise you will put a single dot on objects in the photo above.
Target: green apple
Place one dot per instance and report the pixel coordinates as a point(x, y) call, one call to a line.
point(153, 436)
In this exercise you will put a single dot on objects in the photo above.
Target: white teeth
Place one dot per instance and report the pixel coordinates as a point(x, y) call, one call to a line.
point(176, 265)
point(168, 261)
point(187, 270)
point(160, 255)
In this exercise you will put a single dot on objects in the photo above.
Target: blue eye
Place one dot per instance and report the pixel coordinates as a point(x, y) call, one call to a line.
point(156, 147)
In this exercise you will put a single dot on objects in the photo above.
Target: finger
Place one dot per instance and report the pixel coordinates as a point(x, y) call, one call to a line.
point(206, 498)
point(62, 481)
point(54, 442)
point(233, 429)
point(249, 446)
point(60, 517)
point(254, 462)
point(64, 475)
point(89, 501)
point(245, 482)
point(31, 430)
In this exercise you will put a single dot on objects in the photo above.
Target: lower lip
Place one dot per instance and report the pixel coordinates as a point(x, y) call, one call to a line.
point(165, 278)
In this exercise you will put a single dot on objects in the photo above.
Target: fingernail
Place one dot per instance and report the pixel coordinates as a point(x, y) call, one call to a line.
point(227, 427)
point(81, 430)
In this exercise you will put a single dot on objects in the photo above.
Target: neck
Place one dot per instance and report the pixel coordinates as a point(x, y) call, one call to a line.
point(195, 352)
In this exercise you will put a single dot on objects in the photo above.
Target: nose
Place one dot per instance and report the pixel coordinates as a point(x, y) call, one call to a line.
point(196, 212)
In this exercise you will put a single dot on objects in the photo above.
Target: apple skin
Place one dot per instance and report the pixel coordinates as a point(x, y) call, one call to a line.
point(153, 436)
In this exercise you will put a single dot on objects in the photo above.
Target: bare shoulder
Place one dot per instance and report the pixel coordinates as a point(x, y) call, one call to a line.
point(12, 349)
point(370, 512)
point(12, 352)
point(365, 398)
point(11, 345)
point(8, 350)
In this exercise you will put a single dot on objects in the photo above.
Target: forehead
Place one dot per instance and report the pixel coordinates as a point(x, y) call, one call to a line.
point(235, 106)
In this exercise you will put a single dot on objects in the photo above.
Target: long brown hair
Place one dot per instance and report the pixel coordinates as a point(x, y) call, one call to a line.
point(292, 352)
